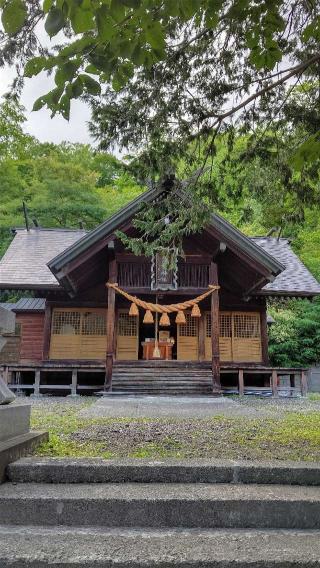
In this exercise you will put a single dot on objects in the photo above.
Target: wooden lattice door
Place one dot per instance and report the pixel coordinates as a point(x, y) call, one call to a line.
point(225, 338)
point(188, 339)
point(246, 344)
point(127, 336)
point(78, 333)
point(240, 337)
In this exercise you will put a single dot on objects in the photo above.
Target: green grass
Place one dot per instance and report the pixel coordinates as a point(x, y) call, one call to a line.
point(292, 435)
point(315, 396)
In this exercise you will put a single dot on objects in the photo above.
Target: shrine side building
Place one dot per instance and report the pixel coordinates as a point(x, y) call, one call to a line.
point(76, 334)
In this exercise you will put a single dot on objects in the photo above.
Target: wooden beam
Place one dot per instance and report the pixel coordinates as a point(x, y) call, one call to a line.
point(215, 331)
point(110, 325)
point(47, 331)
point(241, 382)
point(264, 336)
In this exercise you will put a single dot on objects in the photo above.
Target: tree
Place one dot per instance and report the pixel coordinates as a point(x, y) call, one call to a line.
point(294, 340)
point(14, 141)
point(166, 78)
point(169, 67)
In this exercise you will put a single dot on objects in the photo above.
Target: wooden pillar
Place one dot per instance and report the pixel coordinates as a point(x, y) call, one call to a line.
point(47, 331)
point(304, 383)
point(74, 382)
point(202, 337)
point(241, 382)
point(215, 332)
point(36, 386)
point(274, 380)
point(110, 325)
point(264, 336)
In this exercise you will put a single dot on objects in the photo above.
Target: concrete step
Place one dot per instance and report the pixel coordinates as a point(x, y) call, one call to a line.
point(97, 470)
point(157, 505)
point(89, 547)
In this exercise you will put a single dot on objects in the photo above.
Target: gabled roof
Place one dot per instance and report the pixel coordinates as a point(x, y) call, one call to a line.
point(296, 278)
point(35, 256)
point(112, 224)
point(24, 265)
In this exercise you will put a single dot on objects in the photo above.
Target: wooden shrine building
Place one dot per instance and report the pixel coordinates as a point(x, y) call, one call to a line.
point(82, 326)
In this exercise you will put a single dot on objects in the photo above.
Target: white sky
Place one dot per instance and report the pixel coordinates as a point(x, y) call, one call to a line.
point(39, 123)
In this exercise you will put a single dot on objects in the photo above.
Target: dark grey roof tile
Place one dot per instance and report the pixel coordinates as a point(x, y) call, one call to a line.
point(296, 278)
point(25, 262)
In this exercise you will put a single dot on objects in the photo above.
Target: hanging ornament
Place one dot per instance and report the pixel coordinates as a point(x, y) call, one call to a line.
point(164, 320)
point(133, 310)
point(148, 317)
point(195, 312)
point(181, 318)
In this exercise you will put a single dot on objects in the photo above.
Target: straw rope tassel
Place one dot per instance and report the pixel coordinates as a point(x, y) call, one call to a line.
point(164, 320)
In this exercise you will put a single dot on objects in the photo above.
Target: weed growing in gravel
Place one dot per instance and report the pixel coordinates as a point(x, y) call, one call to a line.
point(287, 435)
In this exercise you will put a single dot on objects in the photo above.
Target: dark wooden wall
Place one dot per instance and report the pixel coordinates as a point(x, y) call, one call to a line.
point(32, 333)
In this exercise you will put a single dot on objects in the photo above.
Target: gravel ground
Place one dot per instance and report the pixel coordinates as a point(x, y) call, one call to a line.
point(265, 429)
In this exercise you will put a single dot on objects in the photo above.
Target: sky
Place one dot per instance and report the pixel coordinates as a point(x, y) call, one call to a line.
point(39, 123)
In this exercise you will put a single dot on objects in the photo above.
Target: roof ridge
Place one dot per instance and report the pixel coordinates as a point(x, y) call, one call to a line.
point(57, 229)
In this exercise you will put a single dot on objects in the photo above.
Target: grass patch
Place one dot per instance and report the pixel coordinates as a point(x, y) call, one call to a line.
point(315, 396)
point(292, 435)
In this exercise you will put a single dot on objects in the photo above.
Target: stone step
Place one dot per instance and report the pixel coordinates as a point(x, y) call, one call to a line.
point(97, 470)
point(162, 505)
point(74, 547)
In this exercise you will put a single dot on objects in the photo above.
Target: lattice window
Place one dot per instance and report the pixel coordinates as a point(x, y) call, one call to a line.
point(66, 322)
point(93, 324)
point(190, 328)
point(225, 325)
point(127, 325)
point(246, 326)
point(208, 325)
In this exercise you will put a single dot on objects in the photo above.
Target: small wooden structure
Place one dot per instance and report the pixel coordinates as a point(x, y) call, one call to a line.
point(84, 327)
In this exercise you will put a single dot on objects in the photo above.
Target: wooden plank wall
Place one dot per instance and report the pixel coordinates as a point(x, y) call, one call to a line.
point(32, 334)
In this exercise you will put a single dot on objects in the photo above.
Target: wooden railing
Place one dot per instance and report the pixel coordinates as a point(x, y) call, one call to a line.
point(134, 274)
point(138, 275)
point(193, 275)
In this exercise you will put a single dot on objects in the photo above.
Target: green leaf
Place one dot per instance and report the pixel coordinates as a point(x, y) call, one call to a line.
point(91, 85)
point(188, 8)
point(39, 103)
point(81, 20)
point(66, 72)
point(308, 151)
point(14, 15)
point(155, 36)
point(47, 5)
point(80, 46)
point(64, 107)
point(34, 66)
point(131, 3)
point(92, 70)
point(117, 10)
point(105, 24)
point(77, 88)
point(54, 22)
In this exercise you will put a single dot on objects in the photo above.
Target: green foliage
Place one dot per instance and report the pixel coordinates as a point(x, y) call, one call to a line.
point(62, 185)
point(132, 43)
point(294, 340)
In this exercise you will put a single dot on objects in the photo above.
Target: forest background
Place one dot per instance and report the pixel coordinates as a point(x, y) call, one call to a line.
point(72, 185)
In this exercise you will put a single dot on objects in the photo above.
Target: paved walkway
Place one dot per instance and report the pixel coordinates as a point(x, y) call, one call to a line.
point(167, 406)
